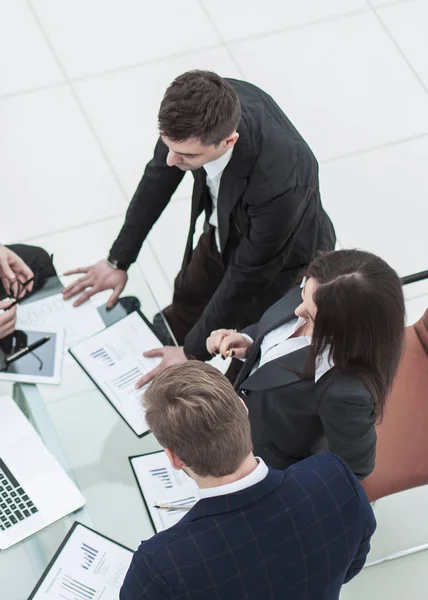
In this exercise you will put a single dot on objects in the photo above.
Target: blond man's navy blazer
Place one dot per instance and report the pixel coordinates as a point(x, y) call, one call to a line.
point(297, 535)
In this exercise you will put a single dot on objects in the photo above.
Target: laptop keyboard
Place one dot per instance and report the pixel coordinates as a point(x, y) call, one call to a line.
point(15, 504)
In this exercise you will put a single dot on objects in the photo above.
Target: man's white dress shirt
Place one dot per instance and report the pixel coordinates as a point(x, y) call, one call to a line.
point(214, 171)
point(259, 473)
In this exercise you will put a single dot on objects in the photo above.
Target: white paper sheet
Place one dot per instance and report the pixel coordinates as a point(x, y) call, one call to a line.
point(114, 359)
point(53, 311)
point(89, 567)
point(161, 484)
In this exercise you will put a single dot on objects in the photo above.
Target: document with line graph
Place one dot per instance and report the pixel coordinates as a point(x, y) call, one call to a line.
point(113, 359)
point(163, 486)
point(87, 566)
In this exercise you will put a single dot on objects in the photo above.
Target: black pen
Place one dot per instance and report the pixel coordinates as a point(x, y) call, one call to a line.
point(175, 507)
point(27, 349)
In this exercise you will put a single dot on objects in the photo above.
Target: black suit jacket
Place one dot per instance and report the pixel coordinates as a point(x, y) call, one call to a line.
point(271, 220)
point(293, 418)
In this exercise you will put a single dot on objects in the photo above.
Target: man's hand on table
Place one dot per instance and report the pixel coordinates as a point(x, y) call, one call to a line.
point(171, 355)
point(96, 278)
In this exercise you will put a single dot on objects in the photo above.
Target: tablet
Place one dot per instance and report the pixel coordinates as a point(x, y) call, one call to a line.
point(161, 484)
point(87, 566)
point(42, 365)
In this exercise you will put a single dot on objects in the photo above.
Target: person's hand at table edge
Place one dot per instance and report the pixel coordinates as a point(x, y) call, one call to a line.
point(7, 318)
point(171, 355)
point(13, 268)
point(96, 278)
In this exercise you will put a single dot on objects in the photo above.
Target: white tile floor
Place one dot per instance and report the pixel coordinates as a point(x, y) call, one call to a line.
point(80, 84)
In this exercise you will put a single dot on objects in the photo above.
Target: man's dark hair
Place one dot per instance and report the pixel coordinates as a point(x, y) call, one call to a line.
point(200, 105)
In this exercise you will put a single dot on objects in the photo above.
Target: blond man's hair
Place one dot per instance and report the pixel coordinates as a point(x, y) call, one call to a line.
point(193, 410)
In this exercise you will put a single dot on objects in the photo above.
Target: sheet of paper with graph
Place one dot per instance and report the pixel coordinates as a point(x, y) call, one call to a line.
point(87, 566)
point(114, 360)
point(163, 486)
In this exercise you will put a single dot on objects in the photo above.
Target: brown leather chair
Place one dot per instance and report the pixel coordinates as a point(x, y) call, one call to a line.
point(402, 446)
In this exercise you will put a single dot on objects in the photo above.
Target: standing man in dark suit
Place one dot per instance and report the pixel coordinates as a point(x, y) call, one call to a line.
point(255, 532)
point(257, 181)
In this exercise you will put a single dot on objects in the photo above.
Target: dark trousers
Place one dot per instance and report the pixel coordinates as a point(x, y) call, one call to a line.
point(194, 287)
point(39, 262)
point(196, 284)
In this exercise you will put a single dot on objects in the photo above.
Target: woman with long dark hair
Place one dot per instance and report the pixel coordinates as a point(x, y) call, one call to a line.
point(321, 361)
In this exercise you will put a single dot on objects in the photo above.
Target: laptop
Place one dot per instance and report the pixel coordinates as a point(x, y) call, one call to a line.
point(35, 491)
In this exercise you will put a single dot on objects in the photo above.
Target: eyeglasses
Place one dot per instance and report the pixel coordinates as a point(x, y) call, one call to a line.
point(17, 286)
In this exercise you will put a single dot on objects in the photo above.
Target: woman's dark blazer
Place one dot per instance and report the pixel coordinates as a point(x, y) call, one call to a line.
point(293, 418)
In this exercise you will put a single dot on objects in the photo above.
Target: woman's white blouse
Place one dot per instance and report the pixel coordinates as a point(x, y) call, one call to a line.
point(279, 342)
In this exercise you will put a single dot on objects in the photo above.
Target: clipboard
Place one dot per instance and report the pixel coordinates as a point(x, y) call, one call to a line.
point(113, 360)
point(86, 563)
point(154, 474)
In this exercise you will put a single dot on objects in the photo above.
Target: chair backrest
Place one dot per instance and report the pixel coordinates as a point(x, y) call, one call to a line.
point(402, 446)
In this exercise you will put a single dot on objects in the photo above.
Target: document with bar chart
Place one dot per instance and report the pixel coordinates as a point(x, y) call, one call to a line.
point(162, 485)
point(87, 566)
point(113, 359)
